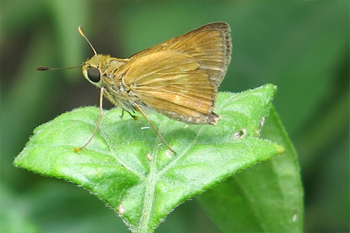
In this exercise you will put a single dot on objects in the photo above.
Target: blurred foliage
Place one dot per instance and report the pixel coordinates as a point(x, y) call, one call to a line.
point(300, 46)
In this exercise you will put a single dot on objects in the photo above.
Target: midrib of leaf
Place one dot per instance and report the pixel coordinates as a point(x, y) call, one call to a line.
point(152, 179)
point(149, 197)
point(179, 156)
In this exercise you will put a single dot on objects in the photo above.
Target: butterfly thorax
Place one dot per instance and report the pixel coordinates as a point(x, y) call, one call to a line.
point(110, 77)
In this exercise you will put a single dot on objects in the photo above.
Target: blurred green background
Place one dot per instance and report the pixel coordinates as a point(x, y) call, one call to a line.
point(300, 46)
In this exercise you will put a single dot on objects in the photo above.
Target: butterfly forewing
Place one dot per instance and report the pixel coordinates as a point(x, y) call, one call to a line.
point(180, 77)
point(173, 85)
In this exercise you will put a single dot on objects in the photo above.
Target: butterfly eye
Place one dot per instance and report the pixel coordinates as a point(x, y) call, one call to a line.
point(94, 74)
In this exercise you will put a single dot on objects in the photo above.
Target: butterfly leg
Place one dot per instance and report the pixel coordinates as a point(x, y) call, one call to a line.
point(133, 116)
point(154, 128)
point(97, 123)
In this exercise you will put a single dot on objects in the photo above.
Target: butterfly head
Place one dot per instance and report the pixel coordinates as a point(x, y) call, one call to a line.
point(92, 70)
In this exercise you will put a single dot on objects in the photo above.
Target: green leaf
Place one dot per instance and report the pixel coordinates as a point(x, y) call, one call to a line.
point(265, 198)
point(127, 167)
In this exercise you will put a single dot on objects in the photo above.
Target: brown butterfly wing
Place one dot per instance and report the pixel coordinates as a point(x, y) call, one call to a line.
point(180, 77)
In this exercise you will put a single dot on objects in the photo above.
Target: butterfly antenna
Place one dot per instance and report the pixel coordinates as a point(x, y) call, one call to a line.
point(83, 35)
point(44, 68)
